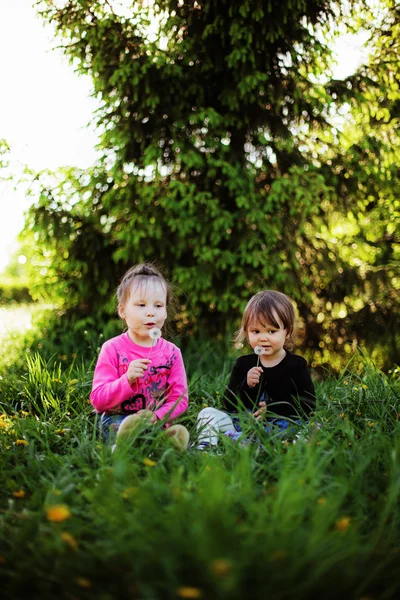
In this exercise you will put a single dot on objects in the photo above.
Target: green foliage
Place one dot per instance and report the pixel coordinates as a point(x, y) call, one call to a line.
point(14, 290)
point(320, 516)
point(4, 163)
point(222, 160)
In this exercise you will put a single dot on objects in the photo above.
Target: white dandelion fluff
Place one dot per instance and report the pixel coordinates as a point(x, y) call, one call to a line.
point(155, 333)
point(259, 350)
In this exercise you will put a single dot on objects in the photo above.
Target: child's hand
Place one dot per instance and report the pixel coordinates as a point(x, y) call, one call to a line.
point(260, 413)
point(136, 369)
point(253, 376)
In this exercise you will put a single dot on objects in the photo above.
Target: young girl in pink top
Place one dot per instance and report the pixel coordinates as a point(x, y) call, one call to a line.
point(139, 375)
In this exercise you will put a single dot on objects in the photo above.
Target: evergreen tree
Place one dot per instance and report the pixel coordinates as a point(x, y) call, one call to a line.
point(219, 157)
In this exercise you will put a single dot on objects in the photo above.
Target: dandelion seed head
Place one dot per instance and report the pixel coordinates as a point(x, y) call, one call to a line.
point(259, 350)
point(155, 333)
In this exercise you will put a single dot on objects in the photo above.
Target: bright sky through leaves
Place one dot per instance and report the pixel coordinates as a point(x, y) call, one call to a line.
point(45, 106)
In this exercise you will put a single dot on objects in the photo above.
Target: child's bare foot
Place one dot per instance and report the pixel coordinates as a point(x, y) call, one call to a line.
point(179, 436)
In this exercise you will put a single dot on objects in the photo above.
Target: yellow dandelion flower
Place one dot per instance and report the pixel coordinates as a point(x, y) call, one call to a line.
point(342, 415)
point(221, 567)
point(128, 492)
point(23, 413)
point(60, 431)
point(372, 424)
point(58, 513)
point(56, 380)
point(278, 555)
point(321, 500)
point(3, 425)
point(19, 494)
point(364, 387)
point(83, 582)
point(149, 463)
point(189, 592)
point(21, 443)
point(343, 523)
point(358, 413)
point(69, 539)
point(355, 388)
point(345, 383)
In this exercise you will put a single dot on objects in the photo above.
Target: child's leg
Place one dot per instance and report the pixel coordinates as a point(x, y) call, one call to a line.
point(109, 425)
point(210, 422)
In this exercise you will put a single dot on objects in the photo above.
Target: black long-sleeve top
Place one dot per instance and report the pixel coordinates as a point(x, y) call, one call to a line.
point(287, 387)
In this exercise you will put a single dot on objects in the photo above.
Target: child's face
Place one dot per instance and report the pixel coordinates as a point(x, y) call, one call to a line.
point(144, 309)
point(268, 337)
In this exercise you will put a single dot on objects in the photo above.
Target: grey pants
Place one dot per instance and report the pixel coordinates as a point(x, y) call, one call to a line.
point(211, 422)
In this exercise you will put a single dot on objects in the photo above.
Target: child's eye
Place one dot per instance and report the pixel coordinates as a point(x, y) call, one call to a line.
point(255, 331)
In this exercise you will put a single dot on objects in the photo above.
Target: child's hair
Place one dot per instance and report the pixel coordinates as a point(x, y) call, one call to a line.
point(267, 307)
point(141, 274)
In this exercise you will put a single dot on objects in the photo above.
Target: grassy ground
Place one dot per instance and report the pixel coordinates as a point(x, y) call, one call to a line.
point(318, 518)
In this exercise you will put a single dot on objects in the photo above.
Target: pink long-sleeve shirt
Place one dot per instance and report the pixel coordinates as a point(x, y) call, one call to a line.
point(162, 388)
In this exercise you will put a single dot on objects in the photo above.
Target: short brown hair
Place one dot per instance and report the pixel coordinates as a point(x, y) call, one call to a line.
point(267, 307)
point(141, 274)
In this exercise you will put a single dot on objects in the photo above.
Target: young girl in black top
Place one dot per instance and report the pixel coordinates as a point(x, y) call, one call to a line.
point(270, 379)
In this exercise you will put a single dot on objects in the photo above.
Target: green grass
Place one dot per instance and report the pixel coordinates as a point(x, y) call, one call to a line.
point(314, 519)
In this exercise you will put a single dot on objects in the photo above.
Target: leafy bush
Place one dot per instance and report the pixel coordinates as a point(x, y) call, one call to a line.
point(14, 291)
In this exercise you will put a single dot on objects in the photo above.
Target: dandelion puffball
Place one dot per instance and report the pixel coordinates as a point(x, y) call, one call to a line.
point(155, 333)
point(259, 350)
